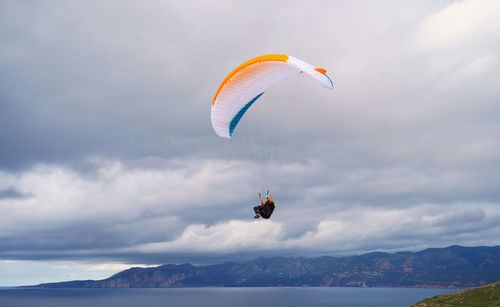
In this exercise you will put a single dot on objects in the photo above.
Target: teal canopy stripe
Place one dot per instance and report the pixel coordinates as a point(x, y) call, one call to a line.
point(240, 114)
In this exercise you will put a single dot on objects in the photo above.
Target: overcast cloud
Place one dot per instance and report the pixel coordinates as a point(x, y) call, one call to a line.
point(108, 158)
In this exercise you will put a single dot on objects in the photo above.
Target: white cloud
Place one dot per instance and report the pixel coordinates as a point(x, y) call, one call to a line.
point(224, 237)
point(348, 231)
point(461, 25)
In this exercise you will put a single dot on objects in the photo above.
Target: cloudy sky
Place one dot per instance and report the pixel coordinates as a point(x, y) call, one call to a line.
point(108, 158)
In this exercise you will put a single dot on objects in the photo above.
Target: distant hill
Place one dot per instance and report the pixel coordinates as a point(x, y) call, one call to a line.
point(486, 296)
point(450, 267)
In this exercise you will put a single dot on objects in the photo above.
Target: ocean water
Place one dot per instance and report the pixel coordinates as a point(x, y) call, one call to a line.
point(216, 297)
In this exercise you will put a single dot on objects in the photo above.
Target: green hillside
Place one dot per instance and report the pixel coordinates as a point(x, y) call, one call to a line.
point(486, 296)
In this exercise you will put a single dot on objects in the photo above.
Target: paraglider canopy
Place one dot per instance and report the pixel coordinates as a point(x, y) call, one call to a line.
point(245, 84)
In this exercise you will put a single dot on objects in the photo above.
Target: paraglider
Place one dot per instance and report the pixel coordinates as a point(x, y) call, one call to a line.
point(245, 84)
point(266, 208)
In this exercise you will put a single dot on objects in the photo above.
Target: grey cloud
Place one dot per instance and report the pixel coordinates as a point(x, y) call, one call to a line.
point(12, 193)
point(107, 143)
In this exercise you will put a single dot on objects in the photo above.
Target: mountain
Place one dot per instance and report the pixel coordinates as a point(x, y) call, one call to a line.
point(486, 296)
point(450, 267)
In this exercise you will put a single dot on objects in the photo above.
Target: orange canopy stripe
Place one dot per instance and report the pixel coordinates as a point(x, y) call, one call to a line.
point(321, 70)
point(262, 58)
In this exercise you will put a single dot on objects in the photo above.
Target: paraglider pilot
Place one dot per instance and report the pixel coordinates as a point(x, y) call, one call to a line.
point(266, 208)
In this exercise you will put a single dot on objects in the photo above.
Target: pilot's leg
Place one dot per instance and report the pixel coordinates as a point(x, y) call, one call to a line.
point(257, 212)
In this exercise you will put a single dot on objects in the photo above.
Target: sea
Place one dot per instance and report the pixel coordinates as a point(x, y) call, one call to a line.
point(216, 297)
